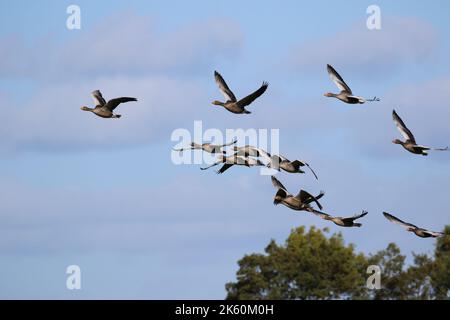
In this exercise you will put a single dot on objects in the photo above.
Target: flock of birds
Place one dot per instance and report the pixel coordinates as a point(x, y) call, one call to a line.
point(250, 156)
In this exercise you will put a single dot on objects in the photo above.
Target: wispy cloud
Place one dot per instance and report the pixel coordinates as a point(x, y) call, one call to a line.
point(123, 44)
point(358, 49)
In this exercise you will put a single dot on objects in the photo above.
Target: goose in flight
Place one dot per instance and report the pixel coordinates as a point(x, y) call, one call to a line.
point(342, 222)
point(301, 202)
point(232, 104)
point(232, 160)
point(423, 233)
point(410, 142)
point(279, 162)
point(105, 109)
point(207, 147)
point(346, 94)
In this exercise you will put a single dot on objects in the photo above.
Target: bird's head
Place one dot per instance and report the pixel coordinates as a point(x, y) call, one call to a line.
point(328, 94)
point(357, 225)
point(217, 103)
point(396, 141)
point(84, 108)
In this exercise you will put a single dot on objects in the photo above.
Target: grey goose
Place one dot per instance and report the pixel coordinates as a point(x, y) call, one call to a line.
point(410, 143)
point(345, 95)
point(232, 104)
point(105, 109)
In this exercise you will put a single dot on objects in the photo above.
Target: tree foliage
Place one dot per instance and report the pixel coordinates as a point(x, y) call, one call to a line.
point(311, 265)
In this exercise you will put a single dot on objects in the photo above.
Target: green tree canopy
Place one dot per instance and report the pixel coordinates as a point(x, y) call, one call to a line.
point(311, 265)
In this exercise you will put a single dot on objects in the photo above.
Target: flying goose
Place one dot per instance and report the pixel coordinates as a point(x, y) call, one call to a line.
point(410, 142)
point(207, 147)
point(423, 233)
point(234, 159)
point(342, 222)
point(279, 162)
point(105, 109)
point(232, 104)
point(346, 94)
point(301, 202)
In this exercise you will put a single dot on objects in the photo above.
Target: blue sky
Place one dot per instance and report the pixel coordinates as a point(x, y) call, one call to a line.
point(104, 194)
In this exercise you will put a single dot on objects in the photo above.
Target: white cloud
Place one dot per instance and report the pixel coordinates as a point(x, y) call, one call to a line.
point(125, 44)
point(358, 49)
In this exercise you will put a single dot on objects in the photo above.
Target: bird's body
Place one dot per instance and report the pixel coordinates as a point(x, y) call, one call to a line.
point(105, 109)
point(341, 221)
point(420, 232)
point(410, 142)
point(301, 202)
point(232, 104)
point(345, 95)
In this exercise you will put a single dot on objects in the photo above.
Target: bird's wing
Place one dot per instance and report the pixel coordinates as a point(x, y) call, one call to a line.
point(98, 98)
point(227, 93)
point(228, 144)
point(396, 220)
point(337, 79)
point(224, 168)
point(263, 153)
point(113, 103)
point(212, 165)
point(309, 167)
point(434, 233)
point(306, 197)
point(252, 97)
point(277, 184)
point(282, 193)
point(355, 217)
point(406, 133)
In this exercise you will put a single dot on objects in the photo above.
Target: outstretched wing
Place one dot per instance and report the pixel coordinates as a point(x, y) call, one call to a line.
point(228, 144)
point(227, 93)
point(337, 79)
point(98, 98)
point(113, 103)
point(406, 133)
point(355, 217)
point(396, 220)
point(309, 167)
point(277, 184)
point(307, 198)
point(252, 97)
point(225, 167)
point(434, 233)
